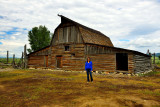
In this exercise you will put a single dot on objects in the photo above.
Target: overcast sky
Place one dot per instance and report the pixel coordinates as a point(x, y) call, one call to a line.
point(130, 24)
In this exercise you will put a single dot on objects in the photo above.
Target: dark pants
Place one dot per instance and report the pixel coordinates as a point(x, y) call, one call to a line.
point(89, 73)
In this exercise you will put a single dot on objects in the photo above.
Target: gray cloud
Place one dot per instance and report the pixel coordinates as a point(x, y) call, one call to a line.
point(144, 30)
point(117, 19)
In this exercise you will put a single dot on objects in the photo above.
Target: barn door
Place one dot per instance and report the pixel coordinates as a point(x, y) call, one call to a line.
point(59, 61)
point(122, 61)
point(46, 61)
point(46, 57)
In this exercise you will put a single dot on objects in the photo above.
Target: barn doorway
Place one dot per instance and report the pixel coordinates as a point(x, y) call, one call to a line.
point(122, 61)
point(59, 61)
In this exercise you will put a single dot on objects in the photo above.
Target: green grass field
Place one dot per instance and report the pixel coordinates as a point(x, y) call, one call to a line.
point(4, 60)
point(44, 88)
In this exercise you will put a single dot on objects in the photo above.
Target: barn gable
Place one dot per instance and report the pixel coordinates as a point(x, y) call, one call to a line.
point(66, 32)
point(71, 31)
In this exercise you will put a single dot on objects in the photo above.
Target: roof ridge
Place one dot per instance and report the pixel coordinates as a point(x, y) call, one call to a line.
point(39, 49)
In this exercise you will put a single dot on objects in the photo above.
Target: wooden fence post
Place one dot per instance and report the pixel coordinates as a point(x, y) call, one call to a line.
point(154, 58)
point(7, 56)
point(13, 62)
point(25, 60)
point(151, 59)
point(21, 61)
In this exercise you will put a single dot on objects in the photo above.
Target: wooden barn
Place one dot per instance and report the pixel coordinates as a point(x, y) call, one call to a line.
point(73, 42)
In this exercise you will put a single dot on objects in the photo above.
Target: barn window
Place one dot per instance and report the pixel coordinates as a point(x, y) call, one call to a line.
point(122, 61)
point(67, 48)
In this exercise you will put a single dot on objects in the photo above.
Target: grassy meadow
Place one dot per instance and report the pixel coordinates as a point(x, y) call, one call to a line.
point(45, 88)
point(4, 60)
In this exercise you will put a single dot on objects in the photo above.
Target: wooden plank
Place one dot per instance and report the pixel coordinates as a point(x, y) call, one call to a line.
point(75, 35)
point(60, 35)
point(72, 33)
point(65, 35)
point(69, 33)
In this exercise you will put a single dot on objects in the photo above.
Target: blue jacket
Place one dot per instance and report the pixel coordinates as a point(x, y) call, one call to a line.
point(88, 65)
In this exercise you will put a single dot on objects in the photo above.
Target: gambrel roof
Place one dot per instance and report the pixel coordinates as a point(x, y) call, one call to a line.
point(89, 35)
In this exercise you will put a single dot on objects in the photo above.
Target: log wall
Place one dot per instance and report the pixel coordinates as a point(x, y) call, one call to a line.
point(107, 62)
point(141, 63)
point(38, 59)
point(104, 58)
point(103, 62)
point(71, 60)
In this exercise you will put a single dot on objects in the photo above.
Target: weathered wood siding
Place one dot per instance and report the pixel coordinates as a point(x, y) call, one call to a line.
point(104, 58)
point(103, 62)
point(71, 60)
point(38, 59)
point(67, 34)
point(130, 63)
point(141, 63)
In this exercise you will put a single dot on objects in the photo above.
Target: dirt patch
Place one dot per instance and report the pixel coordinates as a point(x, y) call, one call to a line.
point(6, 69)
point(115, 101)
point(2, 88)
point(135, 101)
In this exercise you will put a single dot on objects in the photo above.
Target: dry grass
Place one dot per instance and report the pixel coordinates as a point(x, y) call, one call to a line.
point(30, 88)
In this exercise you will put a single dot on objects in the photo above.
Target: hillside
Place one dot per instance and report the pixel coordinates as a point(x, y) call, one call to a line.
point(157, 54)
